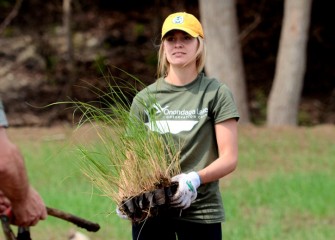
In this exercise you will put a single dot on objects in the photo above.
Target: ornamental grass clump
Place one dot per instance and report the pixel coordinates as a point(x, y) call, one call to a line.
point(130, 164)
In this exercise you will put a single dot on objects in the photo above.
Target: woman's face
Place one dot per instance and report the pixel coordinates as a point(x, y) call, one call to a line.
point(180, 48)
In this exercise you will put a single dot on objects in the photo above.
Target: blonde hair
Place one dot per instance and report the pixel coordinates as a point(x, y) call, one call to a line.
point(163, 64)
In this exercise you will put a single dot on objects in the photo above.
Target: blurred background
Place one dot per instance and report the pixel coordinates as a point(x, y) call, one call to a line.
point(277, 56)
point(50, 50)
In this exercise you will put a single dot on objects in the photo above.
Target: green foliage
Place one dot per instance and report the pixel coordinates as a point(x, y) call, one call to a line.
point(5, 3)
point(8, 32)
point(51, 63)
point(304, 118)
point(151, 60)
point(100, 65)
point(258, 108)
point(139, 29)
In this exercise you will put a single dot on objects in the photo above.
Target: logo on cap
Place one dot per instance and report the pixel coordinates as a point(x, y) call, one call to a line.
point(178, 20)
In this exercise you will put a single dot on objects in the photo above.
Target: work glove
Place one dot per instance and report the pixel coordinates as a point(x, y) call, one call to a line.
point(121, 214)
point(187, 189)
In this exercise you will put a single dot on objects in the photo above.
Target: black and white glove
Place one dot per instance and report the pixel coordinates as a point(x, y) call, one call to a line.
point(187, 189)
point(121, 214)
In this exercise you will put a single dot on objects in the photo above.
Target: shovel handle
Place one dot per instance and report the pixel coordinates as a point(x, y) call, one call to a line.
point(80, 222)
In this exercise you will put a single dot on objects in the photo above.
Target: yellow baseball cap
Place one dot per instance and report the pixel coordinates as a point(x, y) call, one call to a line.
point(183, 21)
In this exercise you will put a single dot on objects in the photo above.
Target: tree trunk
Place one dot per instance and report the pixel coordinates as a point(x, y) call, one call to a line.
point(67, 20)
point(67, 29)
point(285, 94)
point(224, 58)
point(11, 16)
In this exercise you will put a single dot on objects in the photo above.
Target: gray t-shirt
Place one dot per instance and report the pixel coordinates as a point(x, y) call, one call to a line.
point(189, 113)
point(3, 119)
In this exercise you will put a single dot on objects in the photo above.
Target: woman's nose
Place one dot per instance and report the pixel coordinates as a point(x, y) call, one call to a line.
point(178, 43)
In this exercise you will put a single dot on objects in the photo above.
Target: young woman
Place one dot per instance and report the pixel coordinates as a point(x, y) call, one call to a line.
point(201, 115)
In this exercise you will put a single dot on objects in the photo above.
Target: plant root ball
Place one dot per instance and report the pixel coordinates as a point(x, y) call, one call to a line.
point(148, 204)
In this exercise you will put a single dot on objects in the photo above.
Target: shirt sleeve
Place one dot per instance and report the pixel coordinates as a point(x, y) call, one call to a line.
point(225, 107)
point(3, 119)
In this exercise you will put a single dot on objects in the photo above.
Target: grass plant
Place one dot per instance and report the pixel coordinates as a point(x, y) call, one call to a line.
point(128, 159)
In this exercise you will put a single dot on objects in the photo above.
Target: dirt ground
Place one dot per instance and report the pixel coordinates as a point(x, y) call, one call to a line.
point(61, 132)
point(86, 133)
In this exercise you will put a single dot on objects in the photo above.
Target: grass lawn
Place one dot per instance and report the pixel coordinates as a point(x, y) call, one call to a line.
point(283, 187)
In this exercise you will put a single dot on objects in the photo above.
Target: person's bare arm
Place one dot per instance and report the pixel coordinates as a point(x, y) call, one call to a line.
point(13, 176)
point(27, 205)
point(226, 135)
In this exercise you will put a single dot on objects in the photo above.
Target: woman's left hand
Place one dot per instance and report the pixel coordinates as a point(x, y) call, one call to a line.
point(187, 189)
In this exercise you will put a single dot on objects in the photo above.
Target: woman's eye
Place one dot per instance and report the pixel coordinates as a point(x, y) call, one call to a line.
point(169, 39)
point(181, 38)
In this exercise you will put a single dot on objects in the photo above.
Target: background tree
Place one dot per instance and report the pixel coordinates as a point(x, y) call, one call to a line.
point(11, 15)
point(69, 57)
point(285, 94)
point(224, 54)
point(124, 34)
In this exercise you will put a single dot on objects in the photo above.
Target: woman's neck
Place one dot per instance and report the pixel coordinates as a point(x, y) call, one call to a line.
point(181, 76)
